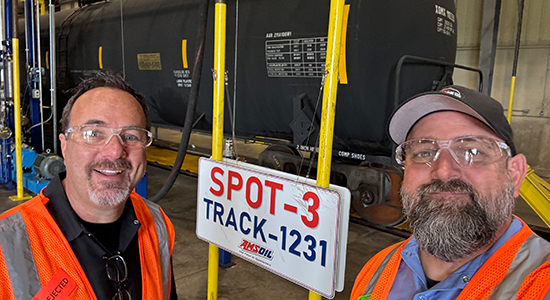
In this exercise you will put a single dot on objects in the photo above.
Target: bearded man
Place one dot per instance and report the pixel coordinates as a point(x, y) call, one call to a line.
point(87, 235)
point(461, 177)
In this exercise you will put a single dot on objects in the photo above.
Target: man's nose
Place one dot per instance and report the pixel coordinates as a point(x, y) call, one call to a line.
point(114, 146)
point(445, 167)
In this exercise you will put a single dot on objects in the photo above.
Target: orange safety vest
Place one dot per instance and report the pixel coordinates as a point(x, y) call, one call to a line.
point(33, 249)
point(520, 267)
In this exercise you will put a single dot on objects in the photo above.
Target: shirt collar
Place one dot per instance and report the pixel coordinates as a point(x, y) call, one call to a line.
point(462, 276)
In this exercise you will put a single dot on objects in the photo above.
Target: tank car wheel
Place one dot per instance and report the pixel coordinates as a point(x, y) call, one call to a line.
point(387, 212)
point(277, 157)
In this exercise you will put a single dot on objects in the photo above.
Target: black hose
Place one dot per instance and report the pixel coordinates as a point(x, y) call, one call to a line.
point(191, 106)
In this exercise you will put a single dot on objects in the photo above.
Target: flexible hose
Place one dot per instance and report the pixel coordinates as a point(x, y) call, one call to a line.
point(191, 106)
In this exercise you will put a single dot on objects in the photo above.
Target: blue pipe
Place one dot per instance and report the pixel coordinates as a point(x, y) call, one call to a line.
point(5, 155)
point(9, 24)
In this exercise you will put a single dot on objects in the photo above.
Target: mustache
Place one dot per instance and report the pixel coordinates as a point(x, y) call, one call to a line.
point(451, 186)
point(118, 164)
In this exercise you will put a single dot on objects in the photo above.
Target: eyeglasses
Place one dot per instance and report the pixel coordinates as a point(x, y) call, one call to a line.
point(95, 134)
point(117, 272)
point(467, 151)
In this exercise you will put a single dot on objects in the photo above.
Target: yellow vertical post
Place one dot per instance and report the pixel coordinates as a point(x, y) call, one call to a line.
point(17, 109)
point(17, 118)
point(511, 101)
point(42, 7)
point(329, 98)
point(217, 127)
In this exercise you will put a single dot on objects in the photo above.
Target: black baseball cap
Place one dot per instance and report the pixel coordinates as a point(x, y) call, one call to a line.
point(451, 98)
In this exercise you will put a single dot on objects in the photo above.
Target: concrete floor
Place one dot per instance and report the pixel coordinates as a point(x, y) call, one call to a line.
point(245, 280)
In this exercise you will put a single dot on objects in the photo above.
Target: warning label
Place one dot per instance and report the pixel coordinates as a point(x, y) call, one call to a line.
point(149, 61)
point(446, 21)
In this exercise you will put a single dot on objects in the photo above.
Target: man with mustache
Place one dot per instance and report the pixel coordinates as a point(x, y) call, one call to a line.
point(88, 235)
point(461, 176)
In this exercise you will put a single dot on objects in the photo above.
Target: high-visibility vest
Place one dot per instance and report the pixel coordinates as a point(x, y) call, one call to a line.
point(519, 269)
point(33, 249)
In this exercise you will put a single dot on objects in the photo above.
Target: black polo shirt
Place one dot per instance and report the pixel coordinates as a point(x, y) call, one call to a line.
point(94, 243)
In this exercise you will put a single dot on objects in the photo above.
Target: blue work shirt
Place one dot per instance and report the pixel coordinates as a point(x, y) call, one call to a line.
point(410, 280)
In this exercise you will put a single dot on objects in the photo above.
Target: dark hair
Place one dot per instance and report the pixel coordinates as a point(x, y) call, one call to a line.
point(102, 78)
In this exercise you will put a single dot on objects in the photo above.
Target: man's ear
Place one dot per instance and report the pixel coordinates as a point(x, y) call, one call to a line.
point(63, 142)
point(517, 168)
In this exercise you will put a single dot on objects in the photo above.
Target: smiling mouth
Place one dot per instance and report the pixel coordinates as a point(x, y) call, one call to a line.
point(109, 172)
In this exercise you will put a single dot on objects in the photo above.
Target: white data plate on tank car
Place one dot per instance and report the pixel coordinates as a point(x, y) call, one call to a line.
point(281, 222)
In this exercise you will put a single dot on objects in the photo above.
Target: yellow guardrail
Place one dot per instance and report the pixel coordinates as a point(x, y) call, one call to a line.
point(217, 127)
point(329, 98)
point(536, 192)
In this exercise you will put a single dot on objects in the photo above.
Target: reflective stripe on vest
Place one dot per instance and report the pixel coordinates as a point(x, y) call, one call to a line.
point(532, 253)
point(19, 259)
point(379, 270)
point(164, 246)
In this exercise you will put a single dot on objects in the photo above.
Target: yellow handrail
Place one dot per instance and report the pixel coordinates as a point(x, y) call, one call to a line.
point(329, 98)
point(217, 127)
point(17, 110)
point(536, 192)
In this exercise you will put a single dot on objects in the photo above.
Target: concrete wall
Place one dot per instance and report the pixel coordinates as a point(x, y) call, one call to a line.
point(531, 106)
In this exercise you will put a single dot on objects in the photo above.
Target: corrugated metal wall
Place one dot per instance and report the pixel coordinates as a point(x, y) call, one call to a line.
point(531, 111)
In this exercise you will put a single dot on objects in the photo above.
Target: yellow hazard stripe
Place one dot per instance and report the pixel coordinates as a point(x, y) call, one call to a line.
point(100, 57)
point(184, 53)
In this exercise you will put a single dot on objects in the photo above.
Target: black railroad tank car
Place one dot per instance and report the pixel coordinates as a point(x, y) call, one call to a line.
point(275, 64)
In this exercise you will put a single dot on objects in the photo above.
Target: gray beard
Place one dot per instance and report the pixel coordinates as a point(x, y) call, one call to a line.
point(109, 193)
point(450, 229)
point(106, 192)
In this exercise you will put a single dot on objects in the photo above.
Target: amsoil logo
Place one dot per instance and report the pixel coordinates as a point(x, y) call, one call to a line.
point(256, 249)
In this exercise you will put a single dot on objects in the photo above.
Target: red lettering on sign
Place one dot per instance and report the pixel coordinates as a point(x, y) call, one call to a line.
point(218, 192)
point(256, 248)
point(274, 187)
point(291, 208)
point(312, 209)
point(231, 186)
point(258, 202)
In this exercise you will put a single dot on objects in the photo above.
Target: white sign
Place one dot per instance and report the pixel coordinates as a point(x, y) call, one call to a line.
point(276, 221)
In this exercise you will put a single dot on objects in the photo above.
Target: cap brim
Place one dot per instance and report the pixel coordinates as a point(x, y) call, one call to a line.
point(415, 109)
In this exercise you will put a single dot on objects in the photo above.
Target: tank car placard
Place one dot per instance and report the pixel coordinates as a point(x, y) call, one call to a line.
point(276, 221)
point(300, 57)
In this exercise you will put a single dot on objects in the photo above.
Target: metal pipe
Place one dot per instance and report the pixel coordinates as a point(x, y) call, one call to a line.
point(329, 92)
point(217, 127)
point(28, 42)
point(53, 73)
point(122, 40)
point(329, 98)
point(38, 54)
point(8, 77)
point(8, 59)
